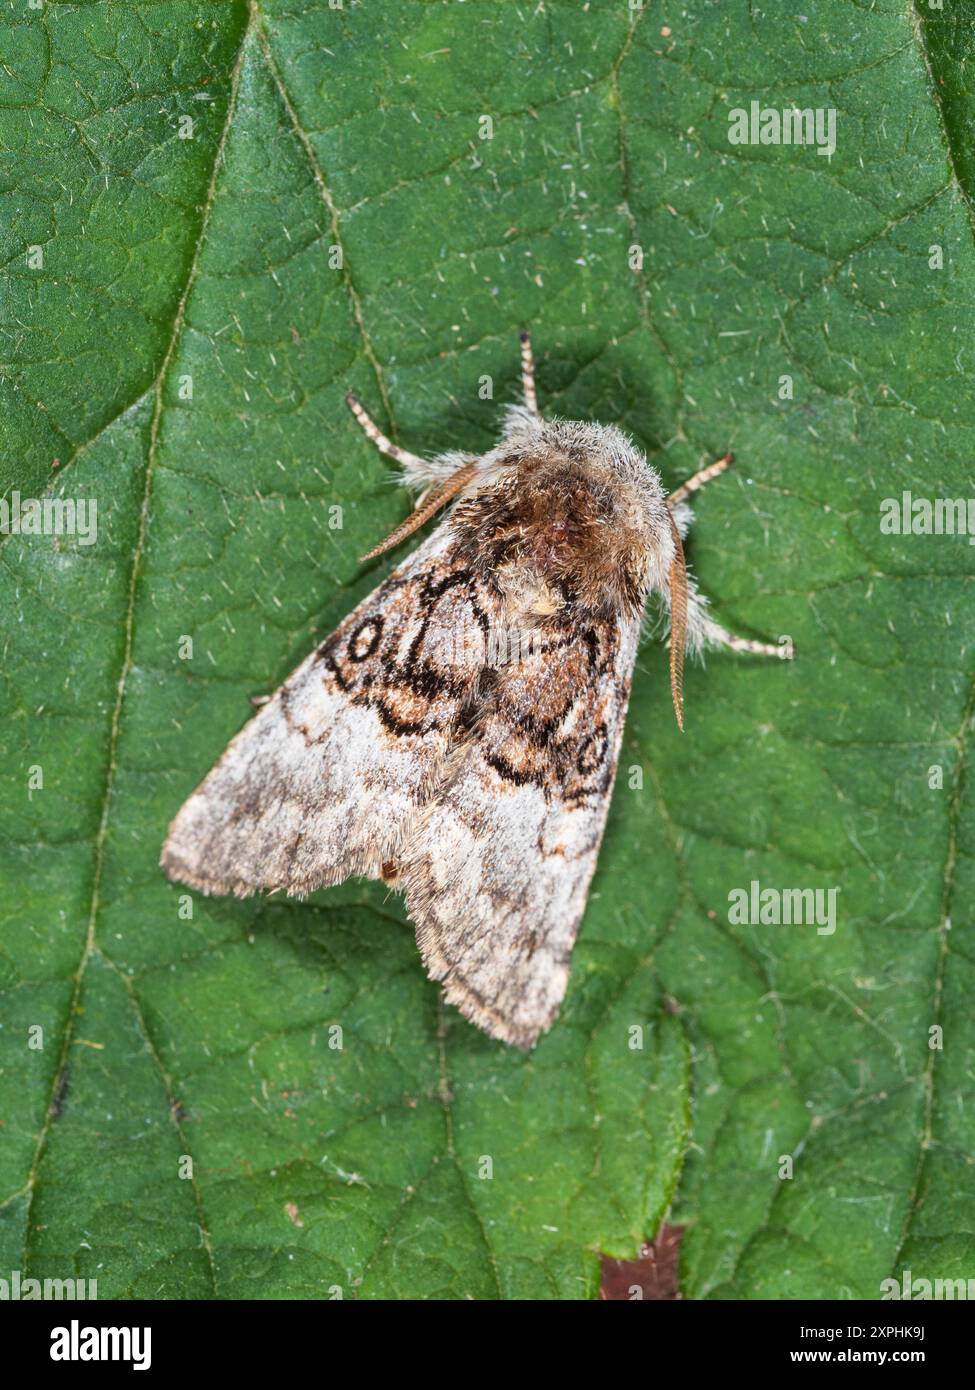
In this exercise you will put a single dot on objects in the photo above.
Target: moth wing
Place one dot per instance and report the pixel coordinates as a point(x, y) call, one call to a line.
point(321, 783)
point(497, 870)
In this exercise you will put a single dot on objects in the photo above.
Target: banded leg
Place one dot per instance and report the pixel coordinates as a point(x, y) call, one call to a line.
point(528, 374)
point(700, 627)
point(385, 445)
point(720, 636)
point(704, 475)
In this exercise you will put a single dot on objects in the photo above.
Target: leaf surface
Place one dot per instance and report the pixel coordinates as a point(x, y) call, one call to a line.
point(334, 220)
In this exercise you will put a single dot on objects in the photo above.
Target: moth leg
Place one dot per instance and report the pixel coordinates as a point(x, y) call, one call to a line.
point(702, 631)
point(721, 637)
point(411, 462)
point(528, 374)
point(417, 472)
point(702, 476)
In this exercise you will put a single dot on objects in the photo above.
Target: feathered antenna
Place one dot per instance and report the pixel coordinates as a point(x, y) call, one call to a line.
point(678, 624)
point(434, 500)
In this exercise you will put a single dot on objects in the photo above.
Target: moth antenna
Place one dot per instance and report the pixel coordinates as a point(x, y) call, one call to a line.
point(435, 499)
point(678, 624)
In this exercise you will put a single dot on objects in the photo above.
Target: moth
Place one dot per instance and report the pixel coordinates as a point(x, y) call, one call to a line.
point(457, 736)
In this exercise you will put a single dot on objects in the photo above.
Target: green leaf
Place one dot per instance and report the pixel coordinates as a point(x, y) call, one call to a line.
point(179, 353)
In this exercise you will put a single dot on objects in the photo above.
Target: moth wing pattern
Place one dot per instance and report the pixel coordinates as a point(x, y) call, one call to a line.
point(403, 749)
point(497, 869)
point(323, 781)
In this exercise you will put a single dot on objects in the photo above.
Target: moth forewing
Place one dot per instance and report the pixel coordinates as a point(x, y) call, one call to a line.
point(320, 785)
point(405, 748)
point(497, 871)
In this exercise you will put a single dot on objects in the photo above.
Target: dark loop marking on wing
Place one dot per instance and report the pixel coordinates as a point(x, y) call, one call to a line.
point(566, 759)
point(520, 777)
point(592, 750)
point(436, 588)
point(416, 673)
point(365, 638)
point(397, 683)
point(400, 727)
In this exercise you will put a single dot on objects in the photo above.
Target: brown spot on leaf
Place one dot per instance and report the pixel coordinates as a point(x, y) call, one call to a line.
point(656, 1274)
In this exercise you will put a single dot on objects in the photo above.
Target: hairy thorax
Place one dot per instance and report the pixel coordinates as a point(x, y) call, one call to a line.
point(560, 533)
